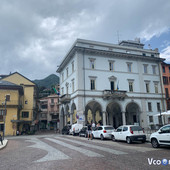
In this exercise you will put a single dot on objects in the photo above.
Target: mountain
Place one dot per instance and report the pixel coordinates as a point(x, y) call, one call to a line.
point(47, 82)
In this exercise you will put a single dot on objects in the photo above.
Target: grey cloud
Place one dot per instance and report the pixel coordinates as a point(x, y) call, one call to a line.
point(36, 34)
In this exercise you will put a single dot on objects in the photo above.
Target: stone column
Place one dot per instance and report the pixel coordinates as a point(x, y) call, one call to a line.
point(123, 118)
point(71, 118)
point(104, 118)
point(65, 119)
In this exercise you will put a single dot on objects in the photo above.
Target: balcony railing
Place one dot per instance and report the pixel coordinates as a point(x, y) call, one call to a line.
point(114, 94)
point(65, 98)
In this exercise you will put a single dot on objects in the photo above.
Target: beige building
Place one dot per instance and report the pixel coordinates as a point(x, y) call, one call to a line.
point(21, 107)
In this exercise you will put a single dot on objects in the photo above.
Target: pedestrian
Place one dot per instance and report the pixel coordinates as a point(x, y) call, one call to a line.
point(1, 139)
point(93, 126)
point(89, 129)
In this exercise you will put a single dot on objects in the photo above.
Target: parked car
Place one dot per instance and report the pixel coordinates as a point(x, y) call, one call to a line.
point(129, 133)
point(83, 132)
point(66, 129)
point(75, 129)
point(102, 132)
point(161, 137)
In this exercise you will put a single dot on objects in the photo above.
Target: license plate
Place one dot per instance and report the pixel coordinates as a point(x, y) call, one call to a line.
point(140, 138)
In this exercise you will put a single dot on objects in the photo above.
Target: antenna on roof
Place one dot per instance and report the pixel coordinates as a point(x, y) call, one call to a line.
point(118, 36)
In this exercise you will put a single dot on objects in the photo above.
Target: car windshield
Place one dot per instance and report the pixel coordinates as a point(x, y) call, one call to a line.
point(136, 128)
point(109, 128)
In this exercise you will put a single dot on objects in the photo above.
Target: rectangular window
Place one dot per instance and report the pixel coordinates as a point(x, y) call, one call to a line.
point(52, 100)
point(67, 88)
point(158, 107)
point(147, 88)
point(131, 86)
point(165, 80)
point(1, 127)
point(72, 66)
point(92, 66)
point(163, 69)
point(25, 114)
point(167, 92)
point(112, 85)
point(8, 97)
point(145, 66)
point(151, 119)
point(149, 106)
point(156, 87)
point(154, 69)
point(129, 66)
point(72, 86)
point(92, 83)
point(111, 65)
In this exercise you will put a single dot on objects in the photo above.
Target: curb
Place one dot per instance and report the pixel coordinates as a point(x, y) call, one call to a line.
point(5, 142)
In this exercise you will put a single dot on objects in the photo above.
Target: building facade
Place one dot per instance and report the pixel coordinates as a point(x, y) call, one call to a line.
point(49, 112)
point(25, 119)
point(111, 84)
point(166, 83)
point(11, 100)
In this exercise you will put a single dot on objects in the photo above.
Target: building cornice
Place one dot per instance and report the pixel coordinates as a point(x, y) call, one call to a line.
point(81, 45)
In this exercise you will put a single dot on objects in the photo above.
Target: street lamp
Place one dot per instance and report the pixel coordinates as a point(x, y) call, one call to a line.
point(4, 116)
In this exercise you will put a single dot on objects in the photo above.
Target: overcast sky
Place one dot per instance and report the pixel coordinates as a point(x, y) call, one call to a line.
point(35, 35)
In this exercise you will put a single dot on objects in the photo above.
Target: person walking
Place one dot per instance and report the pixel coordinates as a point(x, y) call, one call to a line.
point(1, 139)
point(89, 129)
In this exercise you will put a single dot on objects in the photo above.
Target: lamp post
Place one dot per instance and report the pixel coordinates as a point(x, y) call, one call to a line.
point(4, 116)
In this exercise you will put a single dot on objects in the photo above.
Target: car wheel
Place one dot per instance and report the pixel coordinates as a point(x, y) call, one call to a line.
point(155, 143)
point(101, 137)
point(128, 140)
point(113, 138)
point(143, 141)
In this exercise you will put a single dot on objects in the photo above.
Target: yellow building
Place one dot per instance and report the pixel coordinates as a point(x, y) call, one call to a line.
point(20, 107)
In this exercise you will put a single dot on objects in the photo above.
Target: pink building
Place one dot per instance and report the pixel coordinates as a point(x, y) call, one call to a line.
point(49, 112)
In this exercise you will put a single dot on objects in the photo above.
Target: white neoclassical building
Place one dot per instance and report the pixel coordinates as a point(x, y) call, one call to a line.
point(111, 84)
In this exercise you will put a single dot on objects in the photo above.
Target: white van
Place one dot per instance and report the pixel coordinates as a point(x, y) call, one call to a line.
point(75, 129)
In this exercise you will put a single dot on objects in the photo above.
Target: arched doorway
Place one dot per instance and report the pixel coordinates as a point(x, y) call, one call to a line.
point(114, 115)
point(132, 114)
point(93, 113)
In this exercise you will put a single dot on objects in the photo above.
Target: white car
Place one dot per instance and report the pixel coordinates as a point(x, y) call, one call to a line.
point(129, 133)
point(102, 132)
point(161, 137)
point(75, 129)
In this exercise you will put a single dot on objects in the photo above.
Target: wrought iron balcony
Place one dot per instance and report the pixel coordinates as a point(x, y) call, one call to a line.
point(114, 94)
point(65, 98)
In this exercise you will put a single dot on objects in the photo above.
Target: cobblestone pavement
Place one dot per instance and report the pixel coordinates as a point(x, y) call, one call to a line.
point(57, 152)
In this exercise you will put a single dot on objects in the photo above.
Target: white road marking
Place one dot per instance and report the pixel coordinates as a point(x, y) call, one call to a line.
point(112, 151)
point(81, 150)
point(53, 154)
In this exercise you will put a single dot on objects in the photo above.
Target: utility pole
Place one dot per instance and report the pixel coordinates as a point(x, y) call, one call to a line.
point(4, 117)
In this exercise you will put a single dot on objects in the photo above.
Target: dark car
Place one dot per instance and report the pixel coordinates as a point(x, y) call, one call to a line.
point(83, 132)
point(66, 129)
